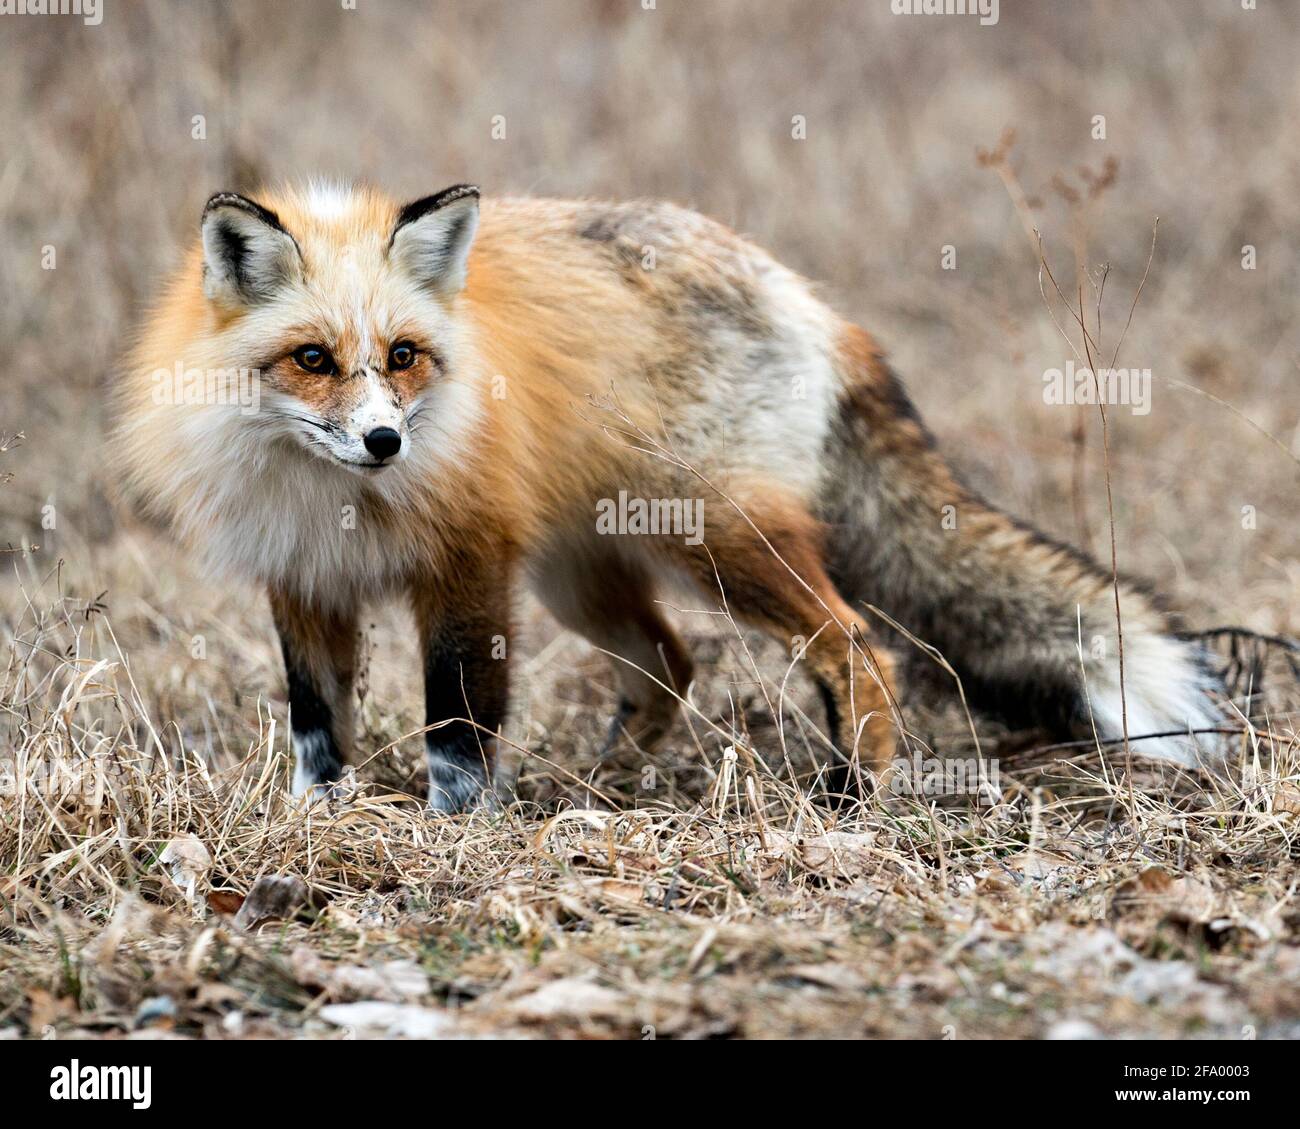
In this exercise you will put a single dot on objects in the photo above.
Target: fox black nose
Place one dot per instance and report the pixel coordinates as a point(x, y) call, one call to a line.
point(382, 442)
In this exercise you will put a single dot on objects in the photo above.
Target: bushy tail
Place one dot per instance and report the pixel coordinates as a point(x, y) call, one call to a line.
point(1028, 623)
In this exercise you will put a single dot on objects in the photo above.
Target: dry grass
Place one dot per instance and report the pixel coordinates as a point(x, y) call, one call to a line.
point(700, 892)
point(136, 883)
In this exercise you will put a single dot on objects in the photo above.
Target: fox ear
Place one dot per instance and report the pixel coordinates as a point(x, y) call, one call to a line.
point(247, 254)
point(432, 237)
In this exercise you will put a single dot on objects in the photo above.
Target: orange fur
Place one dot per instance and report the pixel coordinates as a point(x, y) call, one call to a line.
point(574, 352)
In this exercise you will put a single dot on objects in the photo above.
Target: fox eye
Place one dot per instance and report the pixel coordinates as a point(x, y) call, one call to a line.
point(401, 355)
point(313, 358)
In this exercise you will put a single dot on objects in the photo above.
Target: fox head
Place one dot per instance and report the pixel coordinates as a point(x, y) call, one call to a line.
point(341, 302)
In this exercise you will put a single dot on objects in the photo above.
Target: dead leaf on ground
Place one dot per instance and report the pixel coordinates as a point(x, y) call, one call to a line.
point(1038, 864)
point(1286, 799)
point(188, 862)
point(47, 1009)
point(839, 977)
point(570, 998)
point(214, 995)
point(274, 897)
point(225, 902)
point(844, 854)
point(381, 1019)
point(394, 981)
point(132, 920)
point(611, 890)
point(1157, 894)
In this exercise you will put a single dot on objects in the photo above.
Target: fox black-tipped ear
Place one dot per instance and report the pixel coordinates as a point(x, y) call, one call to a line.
point(432, 237)
point(247, 254)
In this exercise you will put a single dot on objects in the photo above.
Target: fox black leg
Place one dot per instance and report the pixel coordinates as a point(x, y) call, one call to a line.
point(320, 662)
point(466, 684)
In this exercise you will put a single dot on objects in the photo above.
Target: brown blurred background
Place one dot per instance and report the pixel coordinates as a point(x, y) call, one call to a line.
point(696, 102)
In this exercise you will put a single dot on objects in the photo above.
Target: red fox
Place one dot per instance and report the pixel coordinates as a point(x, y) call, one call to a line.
point(450, 395)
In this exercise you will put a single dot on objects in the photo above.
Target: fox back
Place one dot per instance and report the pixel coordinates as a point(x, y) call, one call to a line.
point(341, 398)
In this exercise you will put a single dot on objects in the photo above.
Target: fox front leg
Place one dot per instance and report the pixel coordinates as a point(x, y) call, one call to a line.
point(320, 649)
point(464, 642)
